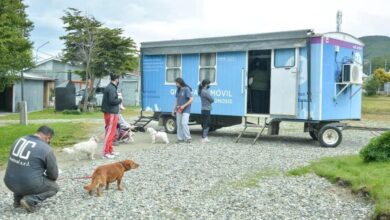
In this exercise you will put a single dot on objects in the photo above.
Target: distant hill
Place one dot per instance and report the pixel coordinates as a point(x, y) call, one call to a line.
point(377, 50)
point(376, 46)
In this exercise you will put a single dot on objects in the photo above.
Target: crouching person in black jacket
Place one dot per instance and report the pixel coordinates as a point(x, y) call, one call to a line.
point(32, 169)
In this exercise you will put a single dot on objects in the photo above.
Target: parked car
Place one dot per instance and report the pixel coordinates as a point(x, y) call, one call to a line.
point(96, 100)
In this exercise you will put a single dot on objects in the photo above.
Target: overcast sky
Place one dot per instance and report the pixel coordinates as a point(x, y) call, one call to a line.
point(153, 20)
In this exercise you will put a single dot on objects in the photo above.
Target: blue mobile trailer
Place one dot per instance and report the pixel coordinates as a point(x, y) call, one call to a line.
point(293, 75)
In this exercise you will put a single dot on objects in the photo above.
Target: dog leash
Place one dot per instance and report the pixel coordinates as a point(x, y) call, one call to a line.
point(75, 178)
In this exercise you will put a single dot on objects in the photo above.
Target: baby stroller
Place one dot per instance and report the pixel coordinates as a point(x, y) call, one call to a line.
point(123, 131)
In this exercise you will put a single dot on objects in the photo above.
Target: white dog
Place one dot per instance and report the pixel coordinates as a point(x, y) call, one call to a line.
point(159, 135)
point(88, 147)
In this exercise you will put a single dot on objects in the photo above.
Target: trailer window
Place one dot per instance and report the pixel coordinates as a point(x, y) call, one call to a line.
point(207, 66)
point(173, 68)
point(284, 57)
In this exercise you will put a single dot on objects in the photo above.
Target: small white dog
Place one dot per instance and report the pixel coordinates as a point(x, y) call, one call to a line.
point(159, 135)
point(88, 147)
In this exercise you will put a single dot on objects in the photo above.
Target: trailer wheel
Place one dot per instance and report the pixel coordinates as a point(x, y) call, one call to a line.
point(170, 125)
point(314, 135)
point(329, 136)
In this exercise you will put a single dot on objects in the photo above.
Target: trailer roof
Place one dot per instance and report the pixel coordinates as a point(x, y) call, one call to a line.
point(285, 39)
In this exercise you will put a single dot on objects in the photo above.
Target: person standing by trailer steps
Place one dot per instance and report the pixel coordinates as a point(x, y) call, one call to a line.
point(182, 110)
point(110, 108)
point(206, 101)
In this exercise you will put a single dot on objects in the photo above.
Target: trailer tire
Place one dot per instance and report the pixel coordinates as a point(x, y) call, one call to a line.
point(170, 125)
point(330, 136)
point(314, 135)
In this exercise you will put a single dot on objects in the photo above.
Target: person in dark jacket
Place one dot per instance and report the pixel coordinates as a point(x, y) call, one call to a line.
point(32, 169)
point(110, 108)
point(206, 101)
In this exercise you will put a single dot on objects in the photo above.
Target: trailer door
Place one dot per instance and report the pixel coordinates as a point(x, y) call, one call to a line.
point(284, 82)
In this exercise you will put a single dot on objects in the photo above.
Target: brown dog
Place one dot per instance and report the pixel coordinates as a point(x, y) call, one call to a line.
point(106, 174)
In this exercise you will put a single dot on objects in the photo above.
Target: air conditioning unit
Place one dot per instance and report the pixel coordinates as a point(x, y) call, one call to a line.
point(352, 73)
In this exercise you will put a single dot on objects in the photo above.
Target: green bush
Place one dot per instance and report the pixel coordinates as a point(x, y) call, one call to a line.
point(71, 112)
point(378, 149)
point(371, 86)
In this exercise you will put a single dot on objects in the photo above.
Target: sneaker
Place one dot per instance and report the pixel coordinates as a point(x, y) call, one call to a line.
point(114, 153)
point(188, 141)
point(109, 156)
point(25, 205)
point(179, 141)
point(205, 140)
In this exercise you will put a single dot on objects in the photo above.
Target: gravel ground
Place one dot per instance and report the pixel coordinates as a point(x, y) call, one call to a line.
point(219, 180)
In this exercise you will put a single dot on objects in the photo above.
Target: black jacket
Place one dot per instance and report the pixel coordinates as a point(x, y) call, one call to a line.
point(110, 103)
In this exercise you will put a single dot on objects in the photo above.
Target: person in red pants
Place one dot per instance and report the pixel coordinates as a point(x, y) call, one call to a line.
point(110, 108)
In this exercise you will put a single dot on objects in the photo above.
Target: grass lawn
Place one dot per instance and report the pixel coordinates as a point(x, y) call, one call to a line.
point(65, 134)
point(376, 107)
point(51, 114)
point(371, 178)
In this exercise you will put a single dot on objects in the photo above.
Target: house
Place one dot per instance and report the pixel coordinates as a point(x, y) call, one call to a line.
point(39, 85)
point(55, 69)
point(36, 94)
point(128, 86)
point(386, 89)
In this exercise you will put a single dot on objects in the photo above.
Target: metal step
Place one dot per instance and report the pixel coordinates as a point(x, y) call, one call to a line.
point(142, 121)
point(254, 125)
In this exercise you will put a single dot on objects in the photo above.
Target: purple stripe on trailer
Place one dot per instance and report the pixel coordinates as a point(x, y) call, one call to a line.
point(341, 43)
point(332, 41)
point(315, 40)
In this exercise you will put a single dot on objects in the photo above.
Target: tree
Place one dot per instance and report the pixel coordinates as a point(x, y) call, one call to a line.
point(382, 76)
point(15, 48)
point(371, 85)
point(101, 50)
point(114, 53)
point(80, 42)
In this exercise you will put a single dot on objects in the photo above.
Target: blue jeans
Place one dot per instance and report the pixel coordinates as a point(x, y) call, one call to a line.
point(183, 130)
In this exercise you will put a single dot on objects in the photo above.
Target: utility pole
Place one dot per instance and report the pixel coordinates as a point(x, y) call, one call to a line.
point(339, 18)
point(23, 104)
point(370, 68)
point(36, 52)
